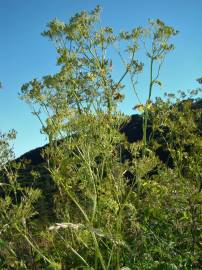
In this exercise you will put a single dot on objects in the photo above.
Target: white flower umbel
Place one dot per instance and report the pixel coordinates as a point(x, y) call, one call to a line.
point(73, 226)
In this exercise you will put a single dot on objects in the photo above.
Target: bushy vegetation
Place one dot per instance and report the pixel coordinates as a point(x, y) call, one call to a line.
point(100, 219)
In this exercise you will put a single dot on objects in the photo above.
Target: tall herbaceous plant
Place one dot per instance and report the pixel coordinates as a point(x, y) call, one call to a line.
point(103, 220)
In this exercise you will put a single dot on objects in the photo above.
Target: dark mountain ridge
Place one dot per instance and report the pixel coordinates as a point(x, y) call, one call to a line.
point(132, 130)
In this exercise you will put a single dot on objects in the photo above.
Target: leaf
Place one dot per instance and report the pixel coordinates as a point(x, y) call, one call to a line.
point(54, 266)
point(139, 107)
point(158, 82)
point(166, 266)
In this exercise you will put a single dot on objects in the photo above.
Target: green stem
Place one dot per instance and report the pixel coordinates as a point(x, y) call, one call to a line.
point(35, 248)
point(151, 79)
point(146, 114)
point(98, 252)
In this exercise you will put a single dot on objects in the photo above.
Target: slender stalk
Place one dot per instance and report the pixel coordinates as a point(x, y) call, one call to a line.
point(36, 248)
point(75, 252)
point(98, 252)
point(146, 113)
point(151, 79)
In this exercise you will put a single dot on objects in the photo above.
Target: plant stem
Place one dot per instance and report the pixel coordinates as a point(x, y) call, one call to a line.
point(146, 114)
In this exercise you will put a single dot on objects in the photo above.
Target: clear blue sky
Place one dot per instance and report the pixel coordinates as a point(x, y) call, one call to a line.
point(25, 54)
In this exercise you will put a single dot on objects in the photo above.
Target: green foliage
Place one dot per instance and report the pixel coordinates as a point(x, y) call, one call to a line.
point(159, 48)
point(6, 152)
point(101, 219)
point(16, 210)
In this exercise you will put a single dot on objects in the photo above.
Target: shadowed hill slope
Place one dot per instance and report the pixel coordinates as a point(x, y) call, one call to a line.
point(132, 130)
point(34, 156)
